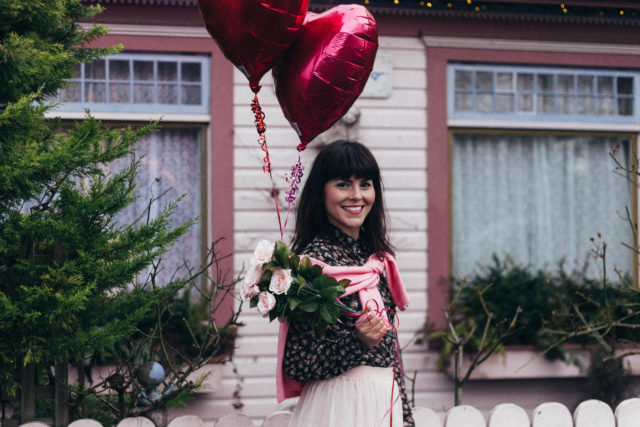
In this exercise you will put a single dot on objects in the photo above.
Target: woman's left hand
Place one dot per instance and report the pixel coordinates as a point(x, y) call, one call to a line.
point(371, 329)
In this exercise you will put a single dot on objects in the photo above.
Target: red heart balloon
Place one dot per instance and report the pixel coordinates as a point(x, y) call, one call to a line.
point(325, 69)
point(253, 34)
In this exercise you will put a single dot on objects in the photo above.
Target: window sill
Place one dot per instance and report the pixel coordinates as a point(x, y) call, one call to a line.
point(527, 363)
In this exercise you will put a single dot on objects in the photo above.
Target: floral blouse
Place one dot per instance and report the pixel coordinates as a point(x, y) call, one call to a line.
point(309, 357)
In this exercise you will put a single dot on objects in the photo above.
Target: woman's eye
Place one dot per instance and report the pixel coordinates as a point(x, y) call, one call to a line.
point(343, 185)
point(366, 184)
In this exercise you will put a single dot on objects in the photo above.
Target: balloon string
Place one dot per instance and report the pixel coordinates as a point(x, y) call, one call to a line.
point(262, 141)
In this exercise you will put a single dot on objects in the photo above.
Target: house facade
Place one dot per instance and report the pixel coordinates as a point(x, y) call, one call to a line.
point(492, 122)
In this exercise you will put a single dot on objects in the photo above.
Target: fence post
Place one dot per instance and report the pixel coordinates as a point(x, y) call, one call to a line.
point(61, 395)
point(28, 393)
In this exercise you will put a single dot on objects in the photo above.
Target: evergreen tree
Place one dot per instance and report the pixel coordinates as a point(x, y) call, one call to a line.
point(66, 265)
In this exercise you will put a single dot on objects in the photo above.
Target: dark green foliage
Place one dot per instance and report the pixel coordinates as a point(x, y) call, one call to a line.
point(548, 300)
point(65, 264)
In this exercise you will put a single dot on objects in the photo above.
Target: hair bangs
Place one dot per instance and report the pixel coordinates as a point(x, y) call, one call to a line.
point(352, 161)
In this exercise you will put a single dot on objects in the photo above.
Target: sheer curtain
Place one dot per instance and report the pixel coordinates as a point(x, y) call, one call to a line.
point(539, 199)
point(171, 162)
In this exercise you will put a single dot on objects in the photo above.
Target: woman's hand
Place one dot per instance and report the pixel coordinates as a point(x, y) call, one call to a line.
point(371, 328)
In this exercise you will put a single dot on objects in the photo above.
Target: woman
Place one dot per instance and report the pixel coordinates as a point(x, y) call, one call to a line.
point(347, 374)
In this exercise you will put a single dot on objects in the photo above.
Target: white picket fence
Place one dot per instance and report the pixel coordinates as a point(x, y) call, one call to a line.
point(590, 413)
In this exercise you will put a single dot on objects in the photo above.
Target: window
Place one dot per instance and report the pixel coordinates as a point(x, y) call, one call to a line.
point(140, 83)
point(538, 198)
point(542, 94)
point(171, 166)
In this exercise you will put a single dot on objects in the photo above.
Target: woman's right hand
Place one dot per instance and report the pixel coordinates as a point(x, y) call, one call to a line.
point(371, 329)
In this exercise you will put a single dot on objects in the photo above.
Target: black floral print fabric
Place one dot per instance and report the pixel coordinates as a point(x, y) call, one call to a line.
point(309, 357)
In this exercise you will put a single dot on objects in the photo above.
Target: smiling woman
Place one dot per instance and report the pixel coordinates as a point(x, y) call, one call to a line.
point(347, 375)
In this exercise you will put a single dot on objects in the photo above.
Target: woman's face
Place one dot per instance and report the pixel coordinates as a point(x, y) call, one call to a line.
point(348, 202)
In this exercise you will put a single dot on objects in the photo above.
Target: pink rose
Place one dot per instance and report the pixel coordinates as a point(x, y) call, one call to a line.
point(263, 252)
point(248, 291)
point(280, 281)
point(266, 302)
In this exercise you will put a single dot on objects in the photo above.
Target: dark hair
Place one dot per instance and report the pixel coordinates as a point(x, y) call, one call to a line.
point(340, 160)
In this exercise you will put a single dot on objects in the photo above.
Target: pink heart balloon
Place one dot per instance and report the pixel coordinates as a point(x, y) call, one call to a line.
point(253, 34)
point(326, 68)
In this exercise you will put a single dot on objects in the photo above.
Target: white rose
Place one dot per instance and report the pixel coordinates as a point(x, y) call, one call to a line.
point(280, 281)
point(266, 302)
point(253, 275)
point(263, 252)
point(248, 291)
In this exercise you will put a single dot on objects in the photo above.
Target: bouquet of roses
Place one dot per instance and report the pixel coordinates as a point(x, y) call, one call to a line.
point(282, 285)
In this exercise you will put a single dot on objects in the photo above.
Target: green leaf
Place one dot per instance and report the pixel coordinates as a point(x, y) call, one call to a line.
point(326, 316)
point(309, 307)
point(253, 302)
point(293, 303)
point(344, 283)
point(281, 254)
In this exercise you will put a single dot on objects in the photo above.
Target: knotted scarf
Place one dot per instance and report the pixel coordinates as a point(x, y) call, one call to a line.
point(364, 280)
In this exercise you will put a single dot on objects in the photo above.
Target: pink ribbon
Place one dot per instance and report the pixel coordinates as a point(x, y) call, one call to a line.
point(364, 280)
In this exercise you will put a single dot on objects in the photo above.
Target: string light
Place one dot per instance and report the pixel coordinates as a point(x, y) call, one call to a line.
point(621, 12)
point(477, 9)
point(429, 4)
point(396, 1)
point(449, 5)
point(468, 1)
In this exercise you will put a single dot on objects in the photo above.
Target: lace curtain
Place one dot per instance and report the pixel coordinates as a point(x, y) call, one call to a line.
point(539, 199)
point(171, 162)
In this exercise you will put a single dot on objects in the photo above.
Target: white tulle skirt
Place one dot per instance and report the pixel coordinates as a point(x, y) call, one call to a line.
point(360, 397)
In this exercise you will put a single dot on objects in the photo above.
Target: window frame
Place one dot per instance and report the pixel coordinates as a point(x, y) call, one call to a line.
point(536, 92)
point(203, 60)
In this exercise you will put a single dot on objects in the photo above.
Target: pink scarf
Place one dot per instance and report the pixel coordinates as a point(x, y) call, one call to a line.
point(364, 280)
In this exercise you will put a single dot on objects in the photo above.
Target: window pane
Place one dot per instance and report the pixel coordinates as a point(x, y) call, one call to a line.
point(565, 84)
point(191, 95)
point(119, 93)
point(625, 106)
point(484, 102)
point(167, 71)
point(191, 72)
point(586, 105)
point(545, 104)
point(118, 70)
point(585, 84)
point(534, 197)
point(484, 80)
point(463, 102)
point(566, 105)
point(605, 106)
point(504, 103)
point(143, 93)
point(95, 70)
point(525, 103)
point(605, 85)
point(625, 85)
point(167, 94)
point(143, 70)
point(95, 92)
point(463, 79)
point(504, 81)
point(525, 82)
point(545, 82)
point(71, 94)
